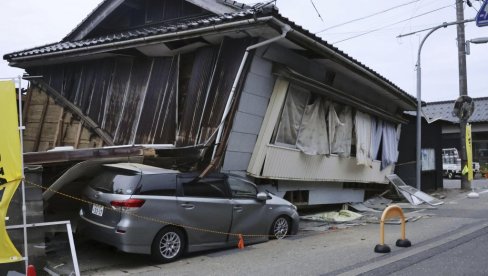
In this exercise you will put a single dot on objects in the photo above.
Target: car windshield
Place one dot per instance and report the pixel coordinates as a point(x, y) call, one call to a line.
point(117, 182)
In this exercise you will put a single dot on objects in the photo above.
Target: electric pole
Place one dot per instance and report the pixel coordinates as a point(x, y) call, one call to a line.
point(463, 87)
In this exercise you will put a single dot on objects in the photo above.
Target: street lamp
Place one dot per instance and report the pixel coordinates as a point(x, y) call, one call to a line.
point(479, 40)
point(419, 98)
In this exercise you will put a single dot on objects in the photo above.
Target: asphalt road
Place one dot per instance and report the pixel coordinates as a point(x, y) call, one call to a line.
point(465, 256)
point(449, 240)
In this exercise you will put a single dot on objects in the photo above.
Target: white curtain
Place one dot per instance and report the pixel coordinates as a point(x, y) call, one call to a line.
point(362, 121)
point(291, 117)
point(390, 145)
point(376, 133)
point(312, 136)
point(341, 143)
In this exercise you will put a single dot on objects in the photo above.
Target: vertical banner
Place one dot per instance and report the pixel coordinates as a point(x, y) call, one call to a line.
point(469, 152)
point(10, 165)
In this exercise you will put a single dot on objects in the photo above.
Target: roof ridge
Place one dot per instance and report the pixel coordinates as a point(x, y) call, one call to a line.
point(453, 101)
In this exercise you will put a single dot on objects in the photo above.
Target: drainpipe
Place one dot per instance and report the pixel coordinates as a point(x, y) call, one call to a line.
point(284, 29)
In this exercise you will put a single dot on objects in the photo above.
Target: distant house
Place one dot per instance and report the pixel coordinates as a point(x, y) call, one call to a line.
point(431, 153)
point(450, 126)
point(251, 91)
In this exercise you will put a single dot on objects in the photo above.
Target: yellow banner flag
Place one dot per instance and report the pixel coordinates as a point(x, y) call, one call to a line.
point(10, 165)
point(469, 152)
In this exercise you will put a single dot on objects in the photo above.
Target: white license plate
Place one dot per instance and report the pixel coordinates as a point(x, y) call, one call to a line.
point(97, 210)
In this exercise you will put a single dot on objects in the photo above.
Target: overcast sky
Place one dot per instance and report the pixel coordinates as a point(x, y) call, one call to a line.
point(28, 23)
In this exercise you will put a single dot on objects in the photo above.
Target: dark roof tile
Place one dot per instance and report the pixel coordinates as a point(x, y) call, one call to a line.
point(443, 110)
point(187, 24)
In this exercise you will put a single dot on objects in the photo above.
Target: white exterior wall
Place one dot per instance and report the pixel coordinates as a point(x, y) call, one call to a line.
point(250, 114)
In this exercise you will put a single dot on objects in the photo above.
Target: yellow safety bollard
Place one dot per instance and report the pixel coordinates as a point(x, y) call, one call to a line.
point(391, 212)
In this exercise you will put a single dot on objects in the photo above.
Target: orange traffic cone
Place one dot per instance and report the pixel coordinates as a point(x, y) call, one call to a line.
point(240, 244)
point(31, 271)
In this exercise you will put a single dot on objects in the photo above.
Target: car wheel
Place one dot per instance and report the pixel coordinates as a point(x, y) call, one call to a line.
point(280, 227)
point(168, 245)
point(450, 175)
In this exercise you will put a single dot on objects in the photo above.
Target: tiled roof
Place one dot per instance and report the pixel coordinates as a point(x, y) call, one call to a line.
point(186, 24)
point(172, 27)
point(444, 109)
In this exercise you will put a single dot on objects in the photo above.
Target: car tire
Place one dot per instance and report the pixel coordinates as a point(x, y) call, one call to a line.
point(280, 228)
point(168, 245)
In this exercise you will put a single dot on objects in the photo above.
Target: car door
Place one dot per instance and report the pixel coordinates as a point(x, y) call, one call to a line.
point(205, 209)
point(249, 216)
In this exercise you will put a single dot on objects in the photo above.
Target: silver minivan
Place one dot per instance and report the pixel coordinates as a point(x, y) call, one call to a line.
point(165, 213)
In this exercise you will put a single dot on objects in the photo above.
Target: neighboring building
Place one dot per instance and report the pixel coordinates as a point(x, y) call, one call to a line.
point(293, 113)
point(431, 154)
point(450, 127)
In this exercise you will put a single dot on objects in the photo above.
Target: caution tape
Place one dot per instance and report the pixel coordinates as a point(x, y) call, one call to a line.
point(238, 235)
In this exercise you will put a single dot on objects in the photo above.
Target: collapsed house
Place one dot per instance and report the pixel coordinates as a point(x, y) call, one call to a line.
point(211, 84)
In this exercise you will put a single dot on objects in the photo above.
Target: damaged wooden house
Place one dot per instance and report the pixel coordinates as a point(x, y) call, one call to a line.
point(211, 85)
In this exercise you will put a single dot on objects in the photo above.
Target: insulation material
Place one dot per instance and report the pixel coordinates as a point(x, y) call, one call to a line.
point(390, 145)
point(340, 216)
point(291, 117)
point(312, 136)
point(341, 143)
point(362, 121)
point(376, 134)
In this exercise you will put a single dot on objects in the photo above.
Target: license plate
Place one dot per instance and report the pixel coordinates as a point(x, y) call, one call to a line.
point(97, 210)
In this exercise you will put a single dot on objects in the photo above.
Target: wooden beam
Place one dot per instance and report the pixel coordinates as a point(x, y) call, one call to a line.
point(26, 106)
point(78, 134)
point(75, 110)
point(59, 129)
point(41, 125)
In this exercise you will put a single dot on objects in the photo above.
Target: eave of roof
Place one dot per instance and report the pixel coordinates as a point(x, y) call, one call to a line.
point(146, 33)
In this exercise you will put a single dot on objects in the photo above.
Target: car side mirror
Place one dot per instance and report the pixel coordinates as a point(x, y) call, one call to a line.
point(262, 196)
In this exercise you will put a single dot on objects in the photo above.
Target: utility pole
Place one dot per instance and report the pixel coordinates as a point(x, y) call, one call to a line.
point(463, 87)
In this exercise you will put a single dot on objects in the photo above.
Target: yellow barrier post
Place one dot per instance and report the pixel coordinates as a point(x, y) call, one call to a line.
point(391, 212)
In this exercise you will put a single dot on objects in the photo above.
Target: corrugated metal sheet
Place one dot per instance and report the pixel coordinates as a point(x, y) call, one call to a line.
point(136, 99)
point(195, 95)
point(228, 63)
point(285, 163)
point(158, 116)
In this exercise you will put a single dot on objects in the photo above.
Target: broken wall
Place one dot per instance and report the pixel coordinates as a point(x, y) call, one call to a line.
point(149, 100)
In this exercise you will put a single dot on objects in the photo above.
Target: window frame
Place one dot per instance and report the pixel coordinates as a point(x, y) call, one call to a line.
point(242, 181)
point(184, 179)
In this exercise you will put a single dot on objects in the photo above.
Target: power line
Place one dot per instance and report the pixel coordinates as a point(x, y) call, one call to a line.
point(367, 16)
point(384, 29)
point(318, 13)
point(389, 25)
